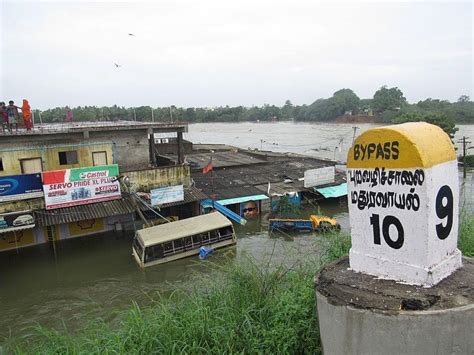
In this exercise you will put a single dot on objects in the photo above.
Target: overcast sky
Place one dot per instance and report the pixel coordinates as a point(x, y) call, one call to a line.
point(213, 53)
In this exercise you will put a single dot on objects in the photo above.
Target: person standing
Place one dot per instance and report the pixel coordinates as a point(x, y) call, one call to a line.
point(13, 116)
point(26, 109)
point(4, 116)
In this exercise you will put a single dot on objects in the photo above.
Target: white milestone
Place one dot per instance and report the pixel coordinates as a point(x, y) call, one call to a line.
point(403, 195)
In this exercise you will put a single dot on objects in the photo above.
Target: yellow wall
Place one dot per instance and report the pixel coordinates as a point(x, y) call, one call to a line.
point(16, 239)
point(85, 227)
point(144, 180)
point(50, 157)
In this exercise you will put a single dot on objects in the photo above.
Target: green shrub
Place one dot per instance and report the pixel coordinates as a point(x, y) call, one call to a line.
point(466, 235)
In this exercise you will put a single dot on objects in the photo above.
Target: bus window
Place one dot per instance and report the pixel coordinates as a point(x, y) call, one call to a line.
point(153, 252)
point(178, 245)
point(214, 235)
point(197, 240)
point(168, 248)
point(138, 248)
point(188, 242)
point(226, 233)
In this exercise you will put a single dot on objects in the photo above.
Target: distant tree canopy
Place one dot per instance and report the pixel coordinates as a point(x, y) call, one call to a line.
point(327, 109)
point(388, 104)
point(388, 99)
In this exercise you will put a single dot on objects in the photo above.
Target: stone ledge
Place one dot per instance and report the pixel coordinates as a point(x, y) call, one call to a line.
point(345, 287)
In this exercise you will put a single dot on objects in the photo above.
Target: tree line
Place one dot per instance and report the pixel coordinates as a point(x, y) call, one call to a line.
point(387, 105)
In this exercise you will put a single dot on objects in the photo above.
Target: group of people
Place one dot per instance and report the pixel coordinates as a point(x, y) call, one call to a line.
point(10, 116)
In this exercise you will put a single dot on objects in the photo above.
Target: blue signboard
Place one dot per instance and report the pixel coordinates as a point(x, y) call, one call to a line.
point(18, 187)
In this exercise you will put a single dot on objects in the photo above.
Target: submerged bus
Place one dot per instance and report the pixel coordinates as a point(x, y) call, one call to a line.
point(176, 240)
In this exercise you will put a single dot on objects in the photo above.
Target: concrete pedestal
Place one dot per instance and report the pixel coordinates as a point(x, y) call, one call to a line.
point(360, 314)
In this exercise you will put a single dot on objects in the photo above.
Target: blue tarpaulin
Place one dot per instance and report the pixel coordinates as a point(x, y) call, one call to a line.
point(333, 191)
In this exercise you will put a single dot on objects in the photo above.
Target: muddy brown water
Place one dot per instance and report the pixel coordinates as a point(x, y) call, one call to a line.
point(94, 277)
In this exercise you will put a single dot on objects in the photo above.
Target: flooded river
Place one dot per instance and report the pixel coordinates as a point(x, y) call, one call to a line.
point(92, 277)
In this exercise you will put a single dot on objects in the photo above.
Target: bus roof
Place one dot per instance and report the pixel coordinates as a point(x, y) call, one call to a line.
point(182, 228)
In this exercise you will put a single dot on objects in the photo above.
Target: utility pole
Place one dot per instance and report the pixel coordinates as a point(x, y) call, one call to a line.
point(134, 115)
point(353, 137)
point(102, 109)
point(464, 149)
point(39, 114)
point(171, 115)
point(152, 115)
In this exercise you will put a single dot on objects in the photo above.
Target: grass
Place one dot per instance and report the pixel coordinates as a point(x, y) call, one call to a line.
point(237, 308)
point(466, 235)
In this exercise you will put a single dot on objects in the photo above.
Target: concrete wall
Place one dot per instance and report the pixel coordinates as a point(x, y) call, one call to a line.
point(172, 147)
point(49, 154)
point(347, 330)
point(144, 180)
point(130, 147)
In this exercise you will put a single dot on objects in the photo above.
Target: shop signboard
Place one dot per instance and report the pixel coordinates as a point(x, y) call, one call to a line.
point(10, 222)
point(167, 195)
point(20, 187)
point(320, 176)
point(72, 187)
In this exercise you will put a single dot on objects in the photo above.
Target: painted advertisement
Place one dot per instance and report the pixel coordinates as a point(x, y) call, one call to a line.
point(85, 227)
point(250, 209)
point(72, 187)
point(17, 239)
point(167, 195)
point(20, 187)
point(16, 221)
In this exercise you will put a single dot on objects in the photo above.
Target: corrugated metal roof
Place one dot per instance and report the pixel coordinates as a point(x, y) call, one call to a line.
point(182, 228)
point(78, 213)
point(221, 159)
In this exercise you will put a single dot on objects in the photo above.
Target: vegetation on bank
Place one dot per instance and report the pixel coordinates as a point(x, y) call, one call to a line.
point(387, 105)
point(466, 235)
point(469, 161)
point(237, 308)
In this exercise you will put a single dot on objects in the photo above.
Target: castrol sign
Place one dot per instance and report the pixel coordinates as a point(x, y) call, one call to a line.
point(403, 196)
point(72, 187)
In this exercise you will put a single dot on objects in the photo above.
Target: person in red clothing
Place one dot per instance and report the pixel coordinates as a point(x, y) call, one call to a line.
point(26, 109)
point(4, 116)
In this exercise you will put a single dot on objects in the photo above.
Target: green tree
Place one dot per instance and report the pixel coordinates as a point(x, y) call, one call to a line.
point(346, 100)
point(464, 98)
point(287, 110)
point(388, 99)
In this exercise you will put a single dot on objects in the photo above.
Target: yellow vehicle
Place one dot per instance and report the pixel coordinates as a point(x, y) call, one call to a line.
point(323, 223)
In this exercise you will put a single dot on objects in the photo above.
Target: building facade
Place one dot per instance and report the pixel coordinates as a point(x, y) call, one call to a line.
point(62, 182)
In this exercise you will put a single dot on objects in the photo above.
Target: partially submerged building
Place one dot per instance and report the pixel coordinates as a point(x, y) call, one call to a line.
point(247, 179)
point(64, 181)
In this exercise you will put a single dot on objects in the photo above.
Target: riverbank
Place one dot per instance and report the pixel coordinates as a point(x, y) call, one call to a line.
point(238, 307)
point(244, 307)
